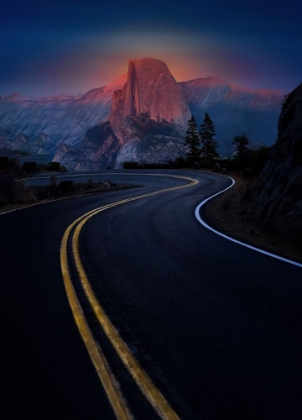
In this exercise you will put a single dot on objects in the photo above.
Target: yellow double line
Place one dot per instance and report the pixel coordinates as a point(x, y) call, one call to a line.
point(145, 384)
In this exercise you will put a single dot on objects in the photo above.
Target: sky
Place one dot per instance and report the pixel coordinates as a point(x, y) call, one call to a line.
point(63, 46)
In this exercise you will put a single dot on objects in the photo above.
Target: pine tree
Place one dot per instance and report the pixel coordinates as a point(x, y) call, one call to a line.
point(241, 145)
point(192, 141)
point(208, 143)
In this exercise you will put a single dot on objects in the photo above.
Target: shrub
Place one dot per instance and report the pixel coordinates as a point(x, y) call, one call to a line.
point(54, 166)
point(137, 165)
point(130, 165)
point(29, 167)
point(66, 186)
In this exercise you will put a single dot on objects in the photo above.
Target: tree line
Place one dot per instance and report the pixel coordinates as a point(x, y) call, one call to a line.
point(202, 144)
point(201, 151)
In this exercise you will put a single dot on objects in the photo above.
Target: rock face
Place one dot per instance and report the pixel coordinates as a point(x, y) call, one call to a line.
point(98, 149)
point(149, 115)
point(150, 90)
point(277, 196)
point(147, 121)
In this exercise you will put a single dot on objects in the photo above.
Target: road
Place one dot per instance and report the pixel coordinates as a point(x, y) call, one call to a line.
point(216, 326)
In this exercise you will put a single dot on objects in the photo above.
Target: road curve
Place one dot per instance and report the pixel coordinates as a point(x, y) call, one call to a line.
point(219, 325)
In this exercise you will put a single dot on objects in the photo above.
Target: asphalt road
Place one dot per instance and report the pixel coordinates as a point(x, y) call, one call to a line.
point(215, 325)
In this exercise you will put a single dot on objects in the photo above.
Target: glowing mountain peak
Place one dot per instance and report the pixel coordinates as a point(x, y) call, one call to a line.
point(150, 89)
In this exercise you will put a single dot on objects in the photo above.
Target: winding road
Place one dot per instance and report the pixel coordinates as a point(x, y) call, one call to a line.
point(212, 329)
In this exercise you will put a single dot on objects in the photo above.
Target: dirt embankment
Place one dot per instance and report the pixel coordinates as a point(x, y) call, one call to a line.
point(229, 213)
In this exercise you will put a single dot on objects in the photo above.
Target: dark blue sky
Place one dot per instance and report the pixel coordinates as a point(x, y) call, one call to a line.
point(52, 47)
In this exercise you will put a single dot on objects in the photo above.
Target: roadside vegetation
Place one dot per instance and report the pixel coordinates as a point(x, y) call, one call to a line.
point(14, 193)
point(202, 153)
point(17, 195)
point(9, 164)
point(230, 213)
point(138, 165)
point(31, 168)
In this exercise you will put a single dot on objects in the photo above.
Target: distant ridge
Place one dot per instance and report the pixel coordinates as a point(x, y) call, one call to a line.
point(146, 103)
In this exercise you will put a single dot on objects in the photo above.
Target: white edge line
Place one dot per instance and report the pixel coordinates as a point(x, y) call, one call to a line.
point(269, 254)
point(197, 215)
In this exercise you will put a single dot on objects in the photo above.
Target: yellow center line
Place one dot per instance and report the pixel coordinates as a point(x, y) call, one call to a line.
point(101, 366)
point(145, 384)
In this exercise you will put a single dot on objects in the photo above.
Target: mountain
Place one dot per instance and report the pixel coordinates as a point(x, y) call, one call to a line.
point(147, 121)
point(142, 116)
point(234, 111)
point(149, 115)
point(150, 89)
point(277, 195)
point(39, 125)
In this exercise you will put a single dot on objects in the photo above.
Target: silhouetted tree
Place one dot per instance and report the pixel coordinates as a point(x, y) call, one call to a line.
point(208, 143)
point(192, 141)
point(241, 146)
point(285, 101)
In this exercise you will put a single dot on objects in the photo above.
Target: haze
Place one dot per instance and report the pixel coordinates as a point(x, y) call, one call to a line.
point(55, 47)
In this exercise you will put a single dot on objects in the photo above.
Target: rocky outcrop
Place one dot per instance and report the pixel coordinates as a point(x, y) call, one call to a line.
point(147, 121)
point(150, 141)
point(277, 196)
point(150, 90)
point(98, 149)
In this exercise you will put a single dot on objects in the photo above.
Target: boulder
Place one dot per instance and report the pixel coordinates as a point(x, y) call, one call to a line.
point(42, 193)
point(66, 186)
point(53, 181)
point(248, 173)
point(3, 200)
point(29, 197)
point(89, 184)
point(196, 165)
point(7, 186)
point(216, 167)
point(29, 167)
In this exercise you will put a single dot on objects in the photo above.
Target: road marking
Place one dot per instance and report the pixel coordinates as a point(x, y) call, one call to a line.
point(98, 174)
point(145, 384)
point(269, 254)
point(81, 195)
point(101, 366)
point(41, 203)
point(58, 175)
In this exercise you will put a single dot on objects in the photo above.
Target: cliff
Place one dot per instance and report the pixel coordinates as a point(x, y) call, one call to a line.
point(277, 195)
point(151, 90)
point(147, 121)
